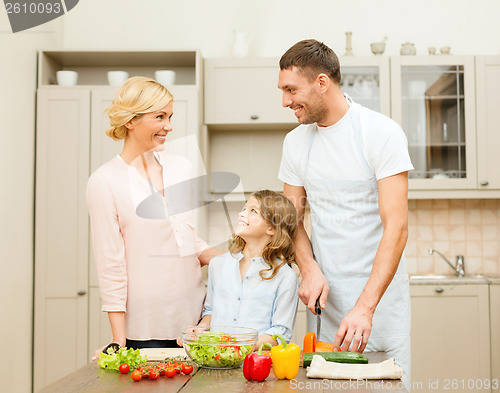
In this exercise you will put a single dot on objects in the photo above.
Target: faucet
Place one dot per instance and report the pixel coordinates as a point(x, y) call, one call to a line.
point(459, 267)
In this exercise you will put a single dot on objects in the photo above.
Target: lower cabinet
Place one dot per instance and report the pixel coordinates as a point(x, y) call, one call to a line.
point(300, 327)
point(450, 338)
point(495, 334)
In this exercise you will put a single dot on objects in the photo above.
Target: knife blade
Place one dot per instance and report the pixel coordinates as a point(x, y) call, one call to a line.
point(317, 308)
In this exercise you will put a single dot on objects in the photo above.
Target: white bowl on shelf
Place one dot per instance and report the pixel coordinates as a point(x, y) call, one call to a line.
point(165, 77)
point(117, 78)
point(66, 78)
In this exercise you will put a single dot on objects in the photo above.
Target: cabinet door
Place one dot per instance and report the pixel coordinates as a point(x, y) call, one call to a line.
point(488, 126)
point(495, 337)
point(450, 335)
point(300, 327)
point(367, 81)
point(61, 239)
point(242, 91)
point(433, 99)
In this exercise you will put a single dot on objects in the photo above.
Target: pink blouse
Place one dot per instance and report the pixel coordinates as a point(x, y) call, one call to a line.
point(146, 267)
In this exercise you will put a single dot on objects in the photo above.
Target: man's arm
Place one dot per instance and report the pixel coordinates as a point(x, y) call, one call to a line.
point(314, 283)
point(393, 207)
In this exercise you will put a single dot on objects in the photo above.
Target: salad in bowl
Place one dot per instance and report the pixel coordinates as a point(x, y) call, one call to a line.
point(219, 347)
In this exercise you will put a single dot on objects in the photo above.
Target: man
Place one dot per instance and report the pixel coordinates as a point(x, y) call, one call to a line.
point(351, 165)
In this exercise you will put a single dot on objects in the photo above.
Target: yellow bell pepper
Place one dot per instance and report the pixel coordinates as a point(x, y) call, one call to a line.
point(286, 359)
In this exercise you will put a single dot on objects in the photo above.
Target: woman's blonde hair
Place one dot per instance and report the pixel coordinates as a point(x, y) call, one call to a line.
point(280, 213)
point(137, 96)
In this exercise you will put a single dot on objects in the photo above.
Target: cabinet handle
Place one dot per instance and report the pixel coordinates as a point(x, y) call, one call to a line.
point(439, 290)
point(484, 183)
point(81, 293)
point(254, 117)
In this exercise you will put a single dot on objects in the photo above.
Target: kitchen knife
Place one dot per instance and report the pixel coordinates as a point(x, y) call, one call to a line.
point(317, 308)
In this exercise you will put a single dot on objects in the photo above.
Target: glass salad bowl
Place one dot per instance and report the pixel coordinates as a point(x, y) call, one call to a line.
point(219, 347)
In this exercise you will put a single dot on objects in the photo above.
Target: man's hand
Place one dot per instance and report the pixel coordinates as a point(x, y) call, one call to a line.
point(354, 329)
point(314, 284)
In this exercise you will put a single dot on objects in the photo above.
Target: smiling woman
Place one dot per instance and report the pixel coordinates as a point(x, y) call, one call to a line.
point(141, 260)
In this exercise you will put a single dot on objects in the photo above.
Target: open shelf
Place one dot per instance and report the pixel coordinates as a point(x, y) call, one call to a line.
point(92, 66)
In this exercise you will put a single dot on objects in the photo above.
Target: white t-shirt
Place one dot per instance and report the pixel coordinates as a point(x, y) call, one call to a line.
point(335, 153)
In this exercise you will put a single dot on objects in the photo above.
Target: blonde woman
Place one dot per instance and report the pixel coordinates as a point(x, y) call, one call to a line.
point(253, 284)
point(149, 269)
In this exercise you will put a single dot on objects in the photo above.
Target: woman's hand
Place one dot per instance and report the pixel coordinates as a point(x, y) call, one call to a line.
point(99, 351)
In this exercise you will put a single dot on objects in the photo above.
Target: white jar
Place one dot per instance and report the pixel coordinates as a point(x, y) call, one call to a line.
point(117, 78)
point(165, 77)
point(67, 78)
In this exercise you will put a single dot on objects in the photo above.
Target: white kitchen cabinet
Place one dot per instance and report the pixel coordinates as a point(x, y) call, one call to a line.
point(450, 334)
point(71, 144)
point(495, 334)
point(433, 99)
point(300, 326)
point(488, 126)
point(244, 91)
point(61, 234)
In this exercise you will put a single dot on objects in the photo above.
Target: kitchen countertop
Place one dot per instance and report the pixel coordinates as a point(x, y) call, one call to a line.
point(439, 279)
point(91, 378)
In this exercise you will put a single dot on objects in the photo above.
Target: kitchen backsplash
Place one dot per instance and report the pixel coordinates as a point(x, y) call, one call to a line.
point(468, 227)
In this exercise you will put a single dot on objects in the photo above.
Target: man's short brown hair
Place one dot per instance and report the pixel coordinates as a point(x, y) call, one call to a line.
point(312, 57)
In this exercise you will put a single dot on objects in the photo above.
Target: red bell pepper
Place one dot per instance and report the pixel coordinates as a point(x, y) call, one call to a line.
point(257, 366)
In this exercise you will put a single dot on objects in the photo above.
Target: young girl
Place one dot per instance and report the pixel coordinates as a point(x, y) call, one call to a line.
point(253, 284)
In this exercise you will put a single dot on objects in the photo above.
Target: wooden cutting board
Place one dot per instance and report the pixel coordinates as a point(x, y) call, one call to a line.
point(158, 354)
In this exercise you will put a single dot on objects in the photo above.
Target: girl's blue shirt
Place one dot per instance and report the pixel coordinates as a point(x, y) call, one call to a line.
point(268, 306)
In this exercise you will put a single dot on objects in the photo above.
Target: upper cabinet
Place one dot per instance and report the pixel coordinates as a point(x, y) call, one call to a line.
point(367, 81)
point(433, 99)
point(244, 91)
point(488, 126)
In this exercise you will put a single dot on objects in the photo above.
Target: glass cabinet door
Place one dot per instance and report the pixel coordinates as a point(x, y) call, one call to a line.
point(432, 103)
point(366, 81)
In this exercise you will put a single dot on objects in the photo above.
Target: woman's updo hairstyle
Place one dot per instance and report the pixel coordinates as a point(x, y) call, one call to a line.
point(137, 96)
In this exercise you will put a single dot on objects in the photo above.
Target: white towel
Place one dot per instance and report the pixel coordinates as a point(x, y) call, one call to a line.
point(320, 368)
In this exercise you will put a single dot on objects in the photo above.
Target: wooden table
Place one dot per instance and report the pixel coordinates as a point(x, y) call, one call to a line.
point(92, 379)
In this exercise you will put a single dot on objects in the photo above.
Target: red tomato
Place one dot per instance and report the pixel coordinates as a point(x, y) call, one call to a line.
point(136, 375)
point(153, 375)
point(187, 369)
point(162, 367)
point(124, 368)
point(170, 372)
point(177, 367)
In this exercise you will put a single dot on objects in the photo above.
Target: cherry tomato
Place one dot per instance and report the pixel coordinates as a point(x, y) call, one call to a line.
point(170, 372)
point(177, 367)
point(187, 369)
point(124, 368)
point(162, 367)
point(136, 375)
point(153, 375)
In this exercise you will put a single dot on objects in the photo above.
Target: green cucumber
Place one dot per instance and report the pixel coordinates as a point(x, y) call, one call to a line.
point(338, 357)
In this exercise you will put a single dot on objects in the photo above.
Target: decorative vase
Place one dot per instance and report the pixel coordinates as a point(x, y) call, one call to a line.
point(348, 45)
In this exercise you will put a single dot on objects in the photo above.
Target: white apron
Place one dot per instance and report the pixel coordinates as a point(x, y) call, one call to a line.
point(346, 232)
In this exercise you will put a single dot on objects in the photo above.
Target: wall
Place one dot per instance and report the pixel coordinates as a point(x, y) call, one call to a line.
point(17, 164)
point(469, 27)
